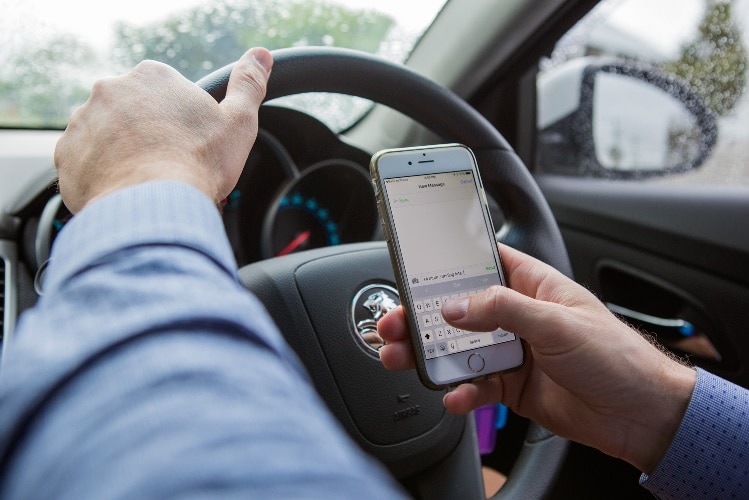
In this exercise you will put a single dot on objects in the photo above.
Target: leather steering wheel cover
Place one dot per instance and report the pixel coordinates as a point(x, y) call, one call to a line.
point(529, 227)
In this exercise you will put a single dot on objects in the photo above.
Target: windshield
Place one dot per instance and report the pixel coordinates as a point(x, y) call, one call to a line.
point(53, 51)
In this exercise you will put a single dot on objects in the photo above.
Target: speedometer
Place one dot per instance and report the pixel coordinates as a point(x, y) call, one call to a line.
point(328, 204)
point(302, 223)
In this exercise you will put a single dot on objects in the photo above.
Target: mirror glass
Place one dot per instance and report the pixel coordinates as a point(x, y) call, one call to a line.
point(638, 126)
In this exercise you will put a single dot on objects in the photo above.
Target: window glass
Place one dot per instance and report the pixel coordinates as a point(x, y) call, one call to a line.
point(52, 51)
point(651, 90)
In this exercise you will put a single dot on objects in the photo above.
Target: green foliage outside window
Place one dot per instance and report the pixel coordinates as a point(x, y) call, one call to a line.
point(42, 83)
point(208, 37)
point(714, 63)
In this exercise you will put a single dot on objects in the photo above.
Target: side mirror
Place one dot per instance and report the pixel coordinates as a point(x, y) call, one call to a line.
point(603, 118)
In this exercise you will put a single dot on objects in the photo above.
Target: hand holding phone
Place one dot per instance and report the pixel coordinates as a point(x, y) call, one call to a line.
point(442, 245)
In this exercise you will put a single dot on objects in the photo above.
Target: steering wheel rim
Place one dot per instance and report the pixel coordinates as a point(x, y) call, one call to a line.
point(530, 225)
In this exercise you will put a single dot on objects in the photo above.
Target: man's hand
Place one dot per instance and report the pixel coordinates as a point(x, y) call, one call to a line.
point(587, 376)
point(153, 124)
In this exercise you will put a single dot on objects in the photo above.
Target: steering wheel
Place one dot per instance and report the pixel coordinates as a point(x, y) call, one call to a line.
point(309, 294)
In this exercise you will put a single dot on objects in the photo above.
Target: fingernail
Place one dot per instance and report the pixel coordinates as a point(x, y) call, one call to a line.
point(263, 57)
point(455, 308)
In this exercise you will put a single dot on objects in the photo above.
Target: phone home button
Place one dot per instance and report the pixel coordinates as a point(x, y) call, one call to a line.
point(476, 363)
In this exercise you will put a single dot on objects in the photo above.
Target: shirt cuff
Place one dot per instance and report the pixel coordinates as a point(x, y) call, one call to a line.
point(153, 213)
point(708, 456)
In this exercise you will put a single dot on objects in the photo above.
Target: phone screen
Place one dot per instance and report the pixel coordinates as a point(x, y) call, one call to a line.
point(446, 246)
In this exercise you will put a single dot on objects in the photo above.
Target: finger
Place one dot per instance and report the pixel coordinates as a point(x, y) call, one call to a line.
point(502, 307)
point(397, 353)
point(67, 156)
point(247, 84)
point(468, 397)
point(462, 399)
point(397, 356)
point(392, 327)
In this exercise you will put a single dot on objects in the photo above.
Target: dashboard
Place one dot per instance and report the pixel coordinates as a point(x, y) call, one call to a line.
point(302, 188)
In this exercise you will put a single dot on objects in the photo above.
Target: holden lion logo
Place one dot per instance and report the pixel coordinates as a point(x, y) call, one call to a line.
point(369, 305)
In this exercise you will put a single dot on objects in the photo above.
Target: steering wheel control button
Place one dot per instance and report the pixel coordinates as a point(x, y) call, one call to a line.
point(476, 363)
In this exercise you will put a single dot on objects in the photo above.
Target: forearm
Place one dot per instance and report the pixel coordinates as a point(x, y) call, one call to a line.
point(158, 419)
point(147, 365)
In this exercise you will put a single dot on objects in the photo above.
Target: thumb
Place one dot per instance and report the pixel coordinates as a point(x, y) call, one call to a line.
point(502, 307)
point(247, 83)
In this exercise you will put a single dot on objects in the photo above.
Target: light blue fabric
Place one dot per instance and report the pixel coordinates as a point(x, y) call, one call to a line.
point(709, 456)
point(147, 371)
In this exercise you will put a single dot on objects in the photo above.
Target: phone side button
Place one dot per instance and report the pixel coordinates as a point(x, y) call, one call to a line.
point(476, 363)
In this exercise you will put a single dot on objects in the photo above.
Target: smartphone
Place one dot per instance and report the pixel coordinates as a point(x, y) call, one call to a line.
point(443, 246)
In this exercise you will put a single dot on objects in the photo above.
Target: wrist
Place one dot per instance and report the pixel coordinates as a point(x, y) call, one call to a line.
point(154, 171)
point(660, 415)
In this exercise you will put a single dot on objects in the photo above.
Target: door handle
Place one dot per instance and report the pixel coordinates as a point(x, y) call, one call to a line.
point(674, 333)
point(683, 327)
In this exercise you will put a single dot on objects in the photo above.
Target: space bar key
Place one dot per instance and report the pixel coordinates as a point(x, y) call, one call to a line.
point(475, 341)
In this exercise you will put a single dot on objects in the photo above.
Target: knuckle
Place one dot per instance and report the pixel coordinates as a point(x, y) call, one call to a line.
point(147, 66)
point(103, 87)
point(253, 80)
point(150, 69)
point(497, 299)
point(99, 87)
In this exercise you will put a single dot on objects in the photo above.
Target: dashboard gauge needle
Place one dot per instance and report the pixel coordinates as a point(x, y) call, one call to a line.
point(295, 243)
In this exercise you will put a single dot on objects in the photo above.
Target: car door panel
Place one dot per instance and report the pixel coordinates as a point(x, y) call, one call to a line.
point(667, 253)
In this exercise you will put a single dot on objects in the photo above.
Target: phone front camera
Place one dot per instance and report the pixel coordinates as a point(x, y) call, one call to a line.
point(409, 162)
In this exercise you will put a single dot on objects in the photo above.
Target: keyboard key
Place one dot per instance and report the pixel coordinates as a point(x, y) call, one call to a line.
point(431, 350)
point(427, 335)
point(476, 340)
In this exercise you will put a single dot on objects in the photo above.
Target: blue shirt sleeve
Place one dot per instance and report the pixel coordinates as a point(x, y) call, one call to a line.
point(147, 371)
point(709, 456)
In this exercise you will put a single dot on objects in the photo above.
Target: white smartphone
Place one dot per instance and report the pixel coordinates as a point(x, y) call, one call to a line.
point(443, 246)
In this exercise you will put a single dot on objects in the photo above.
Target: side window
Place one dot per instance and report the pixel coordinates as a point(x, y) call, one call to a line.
point(651, 90)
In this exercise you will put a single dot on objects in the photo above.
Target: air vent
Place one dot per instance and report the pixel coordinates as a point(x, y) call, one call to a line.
point(2, 298)
point(7, 293)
